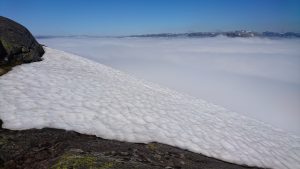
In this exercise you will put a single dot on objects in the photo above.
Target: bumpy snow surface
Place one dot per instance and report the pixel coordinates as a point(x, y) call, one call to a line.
point(69, 92)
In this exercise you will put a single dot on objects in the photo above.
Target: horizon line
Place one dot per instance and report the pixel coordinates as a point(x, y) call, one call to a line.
point(164, 33)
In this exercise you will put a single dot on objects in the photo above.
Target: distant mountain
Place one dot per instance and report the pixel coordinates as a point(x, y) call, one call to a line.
point(282, 35)
point(232, 34)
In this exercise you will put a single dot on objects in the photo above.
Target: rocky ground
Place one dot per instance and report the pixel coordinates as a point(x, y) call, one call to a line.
point(60, 149)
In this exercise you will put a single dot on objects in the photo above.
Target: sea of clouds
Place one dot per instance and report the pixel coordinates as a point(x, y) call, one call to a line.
point(257, 77)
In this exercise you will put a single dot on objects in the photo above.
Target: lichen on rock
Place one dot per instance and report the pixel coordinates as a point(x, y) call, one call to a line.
point(75, 161)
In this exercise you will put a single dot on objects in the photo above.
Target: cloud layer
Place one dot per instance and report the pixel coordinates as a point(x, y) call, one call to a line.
point(256, 77)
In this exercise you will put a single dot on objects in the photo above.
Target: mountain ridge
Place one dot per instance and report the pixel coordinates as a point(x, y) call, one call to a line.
point(230, 34)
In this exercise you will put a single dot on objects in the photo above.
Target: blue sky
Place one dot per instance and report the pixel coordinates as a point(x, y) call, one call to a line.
point(124, 17)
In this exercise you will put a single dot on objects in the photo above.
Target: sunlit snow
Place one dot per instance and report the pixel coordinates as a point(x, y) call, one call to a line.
point(69, 92)
point(256, 77)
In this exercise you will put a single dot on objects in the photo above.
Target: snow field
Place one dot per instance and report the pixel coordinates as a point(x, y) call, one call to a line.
point(69, 92)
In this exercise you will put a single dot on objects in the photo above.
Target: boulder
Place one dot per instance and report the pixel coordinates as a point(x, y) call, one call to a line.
point(17, 45)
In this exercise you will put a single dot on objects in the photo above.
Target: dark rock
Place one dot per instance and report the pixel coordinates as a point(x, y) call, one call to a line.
point(2, 53)
point(55, 148)
point(17, 45)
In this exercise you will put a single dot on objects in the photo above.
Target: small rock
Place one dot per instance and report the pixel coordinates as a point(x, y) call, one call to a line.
point(157, 156)
point(36, 149)
point(75, 150)
point(11, 164)
point(126, 159)
point(168, 167)
point(29, 160)
point(124, 153)
point(113, 153)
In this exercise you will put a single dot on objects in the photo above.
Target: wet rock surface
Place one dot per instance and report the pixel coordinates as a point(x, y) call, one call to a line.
point(17, 45)
point(60, 149)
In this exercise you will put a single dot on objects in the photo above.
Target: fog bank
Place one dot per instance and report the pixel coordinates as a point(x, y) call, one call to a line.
point(256, 77)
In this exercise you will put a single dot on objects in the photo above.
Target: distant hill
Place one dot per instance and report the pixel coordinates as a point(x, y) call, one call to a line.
point(232, 34)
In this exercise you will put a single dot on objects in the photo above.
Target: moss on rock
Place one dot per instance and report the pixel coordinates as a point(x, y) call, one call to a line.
point(83, 161)
point(75, 161)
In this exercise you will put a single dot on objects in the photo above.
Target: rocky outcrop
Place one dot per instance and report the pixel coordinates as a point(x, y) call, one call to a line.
point(17, 45)
point(54, 148)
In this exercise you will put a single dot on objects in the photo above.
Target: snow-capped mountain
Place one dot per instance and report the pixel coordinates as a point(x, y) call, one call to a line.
point(232, 34)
